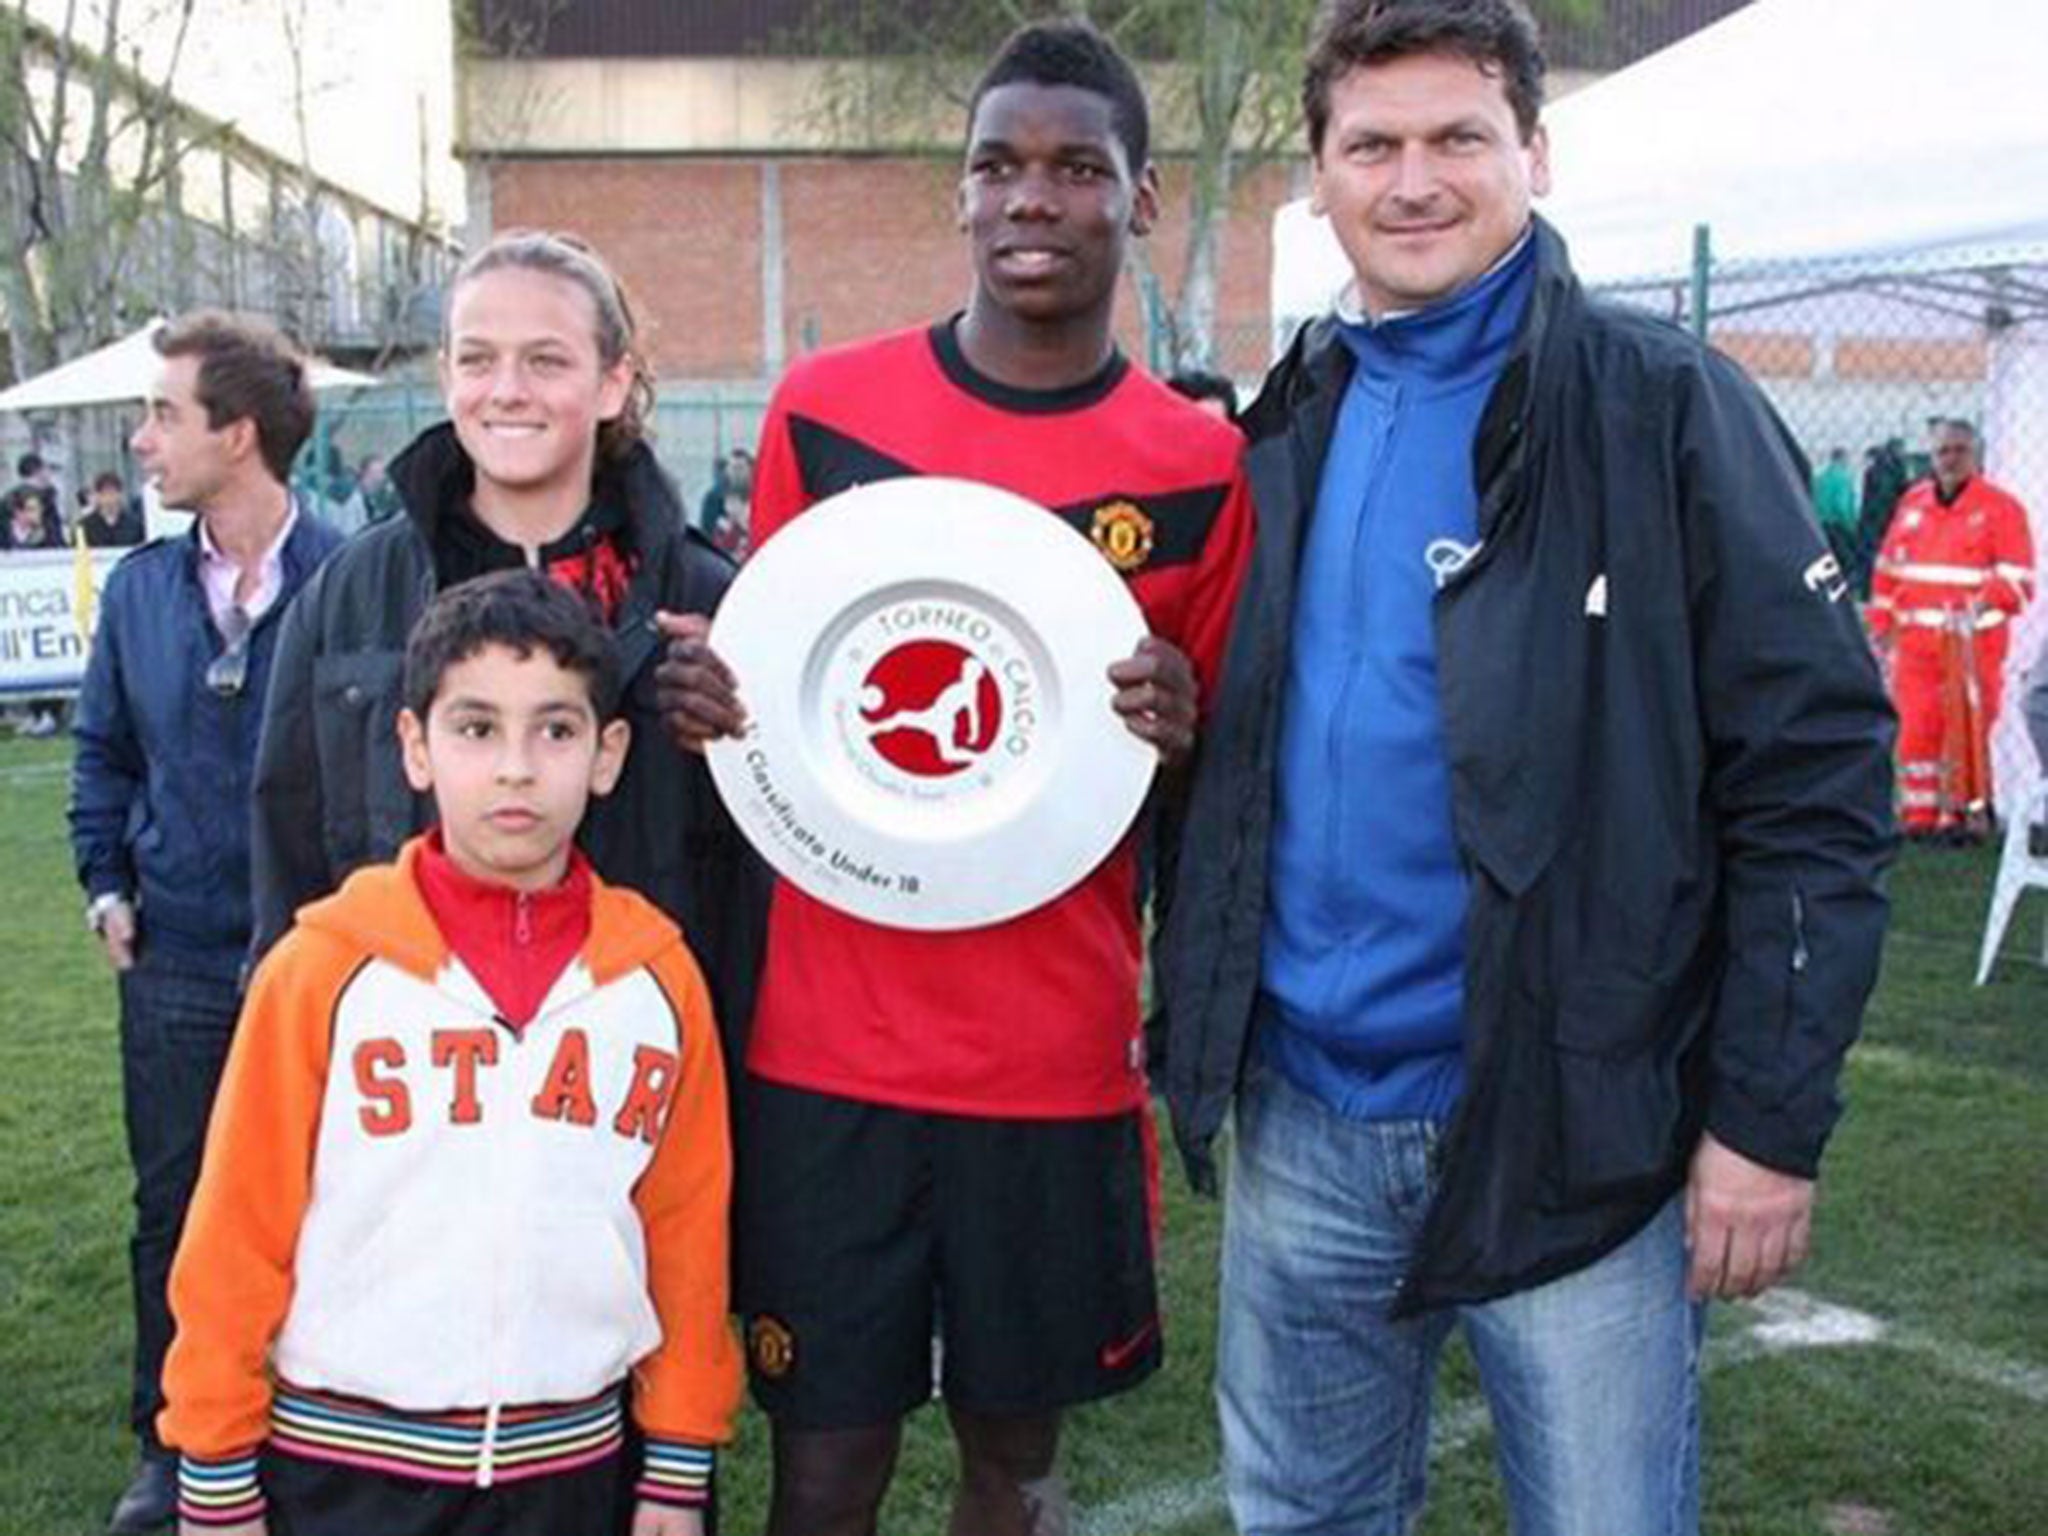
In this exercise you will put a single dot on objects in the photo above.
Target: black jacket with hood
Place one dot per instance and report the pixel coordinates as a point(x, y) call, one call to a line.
point(1669, 753)
point(331, 792)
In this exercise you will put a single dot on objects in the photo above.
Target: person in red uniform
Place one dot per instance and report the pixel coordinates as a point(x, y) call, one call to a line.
point(1956, 566)
point(950, 1130)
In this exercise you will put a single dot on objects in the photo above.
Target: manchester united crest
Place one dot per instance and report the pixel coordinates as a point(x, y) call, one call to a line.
point(1123, 533)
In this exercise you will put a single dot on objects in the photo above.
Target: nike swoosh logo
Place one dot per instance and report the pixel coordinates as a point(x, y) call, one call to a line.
point(1117, 1356)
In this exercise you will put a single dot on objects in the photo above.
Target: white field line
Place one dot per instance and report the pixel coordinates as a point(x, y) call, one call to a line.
point(1780, 1322)
point(1793, 1320)
point(1162, 1507)
point(24, 771)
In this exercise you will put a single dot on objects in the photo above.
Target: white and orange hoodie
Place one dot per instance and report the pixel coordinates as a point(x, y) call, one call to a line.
point(431, 1243)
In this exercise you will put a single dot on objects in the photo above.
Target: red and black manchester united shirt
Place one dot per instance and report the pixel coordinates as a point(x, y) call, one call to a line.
point(1036, 1017)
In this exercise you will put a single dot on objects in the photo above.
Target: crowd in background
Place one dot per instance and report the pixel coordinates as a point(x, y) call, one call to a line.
point(107, 516)
point(1855, 511)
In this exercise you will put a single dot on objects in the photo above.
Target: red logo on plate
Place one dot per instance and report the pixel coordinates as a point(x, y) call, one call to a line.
point(931, 708)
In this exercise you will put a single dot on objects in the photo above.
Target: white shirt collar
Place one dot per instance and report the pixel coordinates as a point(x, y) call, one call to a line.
point(219, 574)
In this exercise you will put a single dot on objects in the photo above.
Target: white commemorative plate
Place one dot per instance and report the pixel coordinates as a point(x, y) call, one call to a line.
point(930, 743)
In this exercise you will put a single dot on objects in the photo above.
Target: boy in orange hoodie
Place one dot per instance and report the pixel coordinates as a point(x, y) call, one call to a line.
point(468, 1169)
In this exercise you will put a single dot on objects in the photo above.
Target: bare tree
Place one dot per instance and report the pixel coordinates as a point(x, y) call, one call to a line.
point(306, 279)
point(88, 142)
point(1235, 94)
point(501, 31)
point(323, 294)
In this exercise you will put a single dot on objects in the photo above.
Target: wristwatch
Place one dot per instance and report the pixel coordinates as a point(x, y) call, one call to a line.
point(97, 909)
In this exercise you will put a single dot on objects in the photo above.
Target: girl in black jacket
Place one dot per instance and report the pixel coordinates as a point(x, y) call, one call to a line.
point(543, 462)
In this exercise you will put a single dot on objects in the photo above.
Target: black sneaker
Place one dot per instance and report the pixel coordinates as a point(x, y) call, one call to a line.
point(150, 1501)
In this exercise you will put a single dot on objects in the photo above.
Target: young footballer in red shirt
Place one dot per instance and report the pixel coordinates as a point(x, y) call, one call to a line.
point(948, 1131)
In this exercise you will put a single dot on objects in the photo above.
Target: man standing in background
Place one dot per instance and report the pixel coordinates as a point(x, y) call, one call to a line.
point(1839, 508)
point(113, 520)
point(726, 514)
point(1885, 478)
point(1956, 567)
point(160, 787)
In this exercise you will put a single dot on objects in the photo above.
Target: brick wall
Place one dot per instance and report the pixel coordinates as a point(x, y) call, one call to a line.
point(685, 236)
point(1243, 307)
point(868, 245)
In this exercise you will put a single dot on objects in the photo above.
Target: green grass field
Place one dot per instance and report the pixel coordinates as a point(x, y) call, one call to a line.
point(1933, 1223)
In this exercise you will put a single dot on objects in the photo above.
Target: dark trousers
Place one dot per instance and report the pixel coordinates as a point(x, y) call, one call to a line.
point(318, 1498)
point(176, 1021)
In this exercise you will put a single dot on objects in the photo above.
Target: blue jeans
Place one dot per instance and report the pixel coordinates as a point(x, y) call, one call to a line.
point(176, 1021)
point(1592, 1380)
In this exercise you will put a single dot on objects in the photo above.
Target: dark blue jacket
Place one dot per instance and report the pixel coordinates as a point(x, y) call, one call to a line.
point(161, 785)
point(1670, 761)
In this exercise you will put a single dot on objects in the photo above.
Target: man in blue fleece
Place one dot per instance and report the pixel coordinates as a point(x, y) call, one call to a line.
point(1368, 891)
point(1530, 899)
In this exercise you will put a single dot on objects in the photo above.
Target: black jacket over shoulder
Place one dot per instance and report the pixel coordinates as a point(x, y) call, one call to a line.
point(331, 792)
point(1671, 788)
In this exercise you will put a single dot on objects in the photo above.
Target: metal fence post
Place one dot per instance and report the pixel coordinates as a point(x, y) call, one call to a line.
point(1702, 268)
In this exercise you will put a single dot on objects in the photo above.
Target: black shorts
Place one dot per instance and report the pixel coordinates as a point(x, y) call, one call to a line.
point(326, 1498)
point(863, 1231)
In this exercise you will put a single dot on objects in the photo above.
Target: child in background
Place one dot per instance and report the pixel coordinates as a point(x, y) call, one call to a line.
point(468, 1168)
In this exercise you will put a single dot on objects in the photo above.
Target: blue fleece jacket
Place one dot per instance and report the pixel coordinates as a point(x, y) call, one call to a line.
point(1362, 980)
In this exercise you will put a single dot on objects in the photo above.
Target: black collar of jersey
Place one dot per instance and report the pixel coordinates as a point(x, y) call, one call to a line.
point(1028, 402)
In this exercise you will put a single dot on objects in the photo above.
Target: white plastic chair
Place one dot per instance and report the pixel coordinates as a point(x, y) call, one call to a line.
point(2018, 871)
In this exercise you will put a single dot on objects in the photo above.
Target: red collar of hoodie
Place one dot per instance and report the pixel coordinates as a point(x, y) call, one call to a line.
point(515, 943)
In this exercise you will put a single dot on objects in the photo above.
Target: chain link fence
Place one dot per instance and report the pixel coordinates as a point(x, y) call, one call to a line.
point(1866, 362)
point(694, 427)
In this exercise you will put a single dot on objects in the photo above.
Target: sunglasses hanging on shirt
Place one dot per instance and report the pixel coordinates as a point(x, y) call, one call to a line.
point(228, 672)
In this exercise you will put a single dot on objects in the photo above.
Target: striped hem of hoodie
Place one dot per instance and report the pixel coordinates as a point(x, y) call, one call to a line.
point(218, 1490)
point(470, 1446)
point(676, 1473)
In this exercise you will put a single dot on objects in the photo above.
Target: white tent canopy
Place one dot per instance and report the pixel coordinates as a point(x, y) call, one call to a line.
point(125, 370)
point(1800, 129)
point(1793, 129)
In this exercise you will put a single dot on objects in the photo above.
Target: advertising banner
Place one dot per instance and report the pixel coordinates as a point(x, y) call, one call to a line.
point(48, 600)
